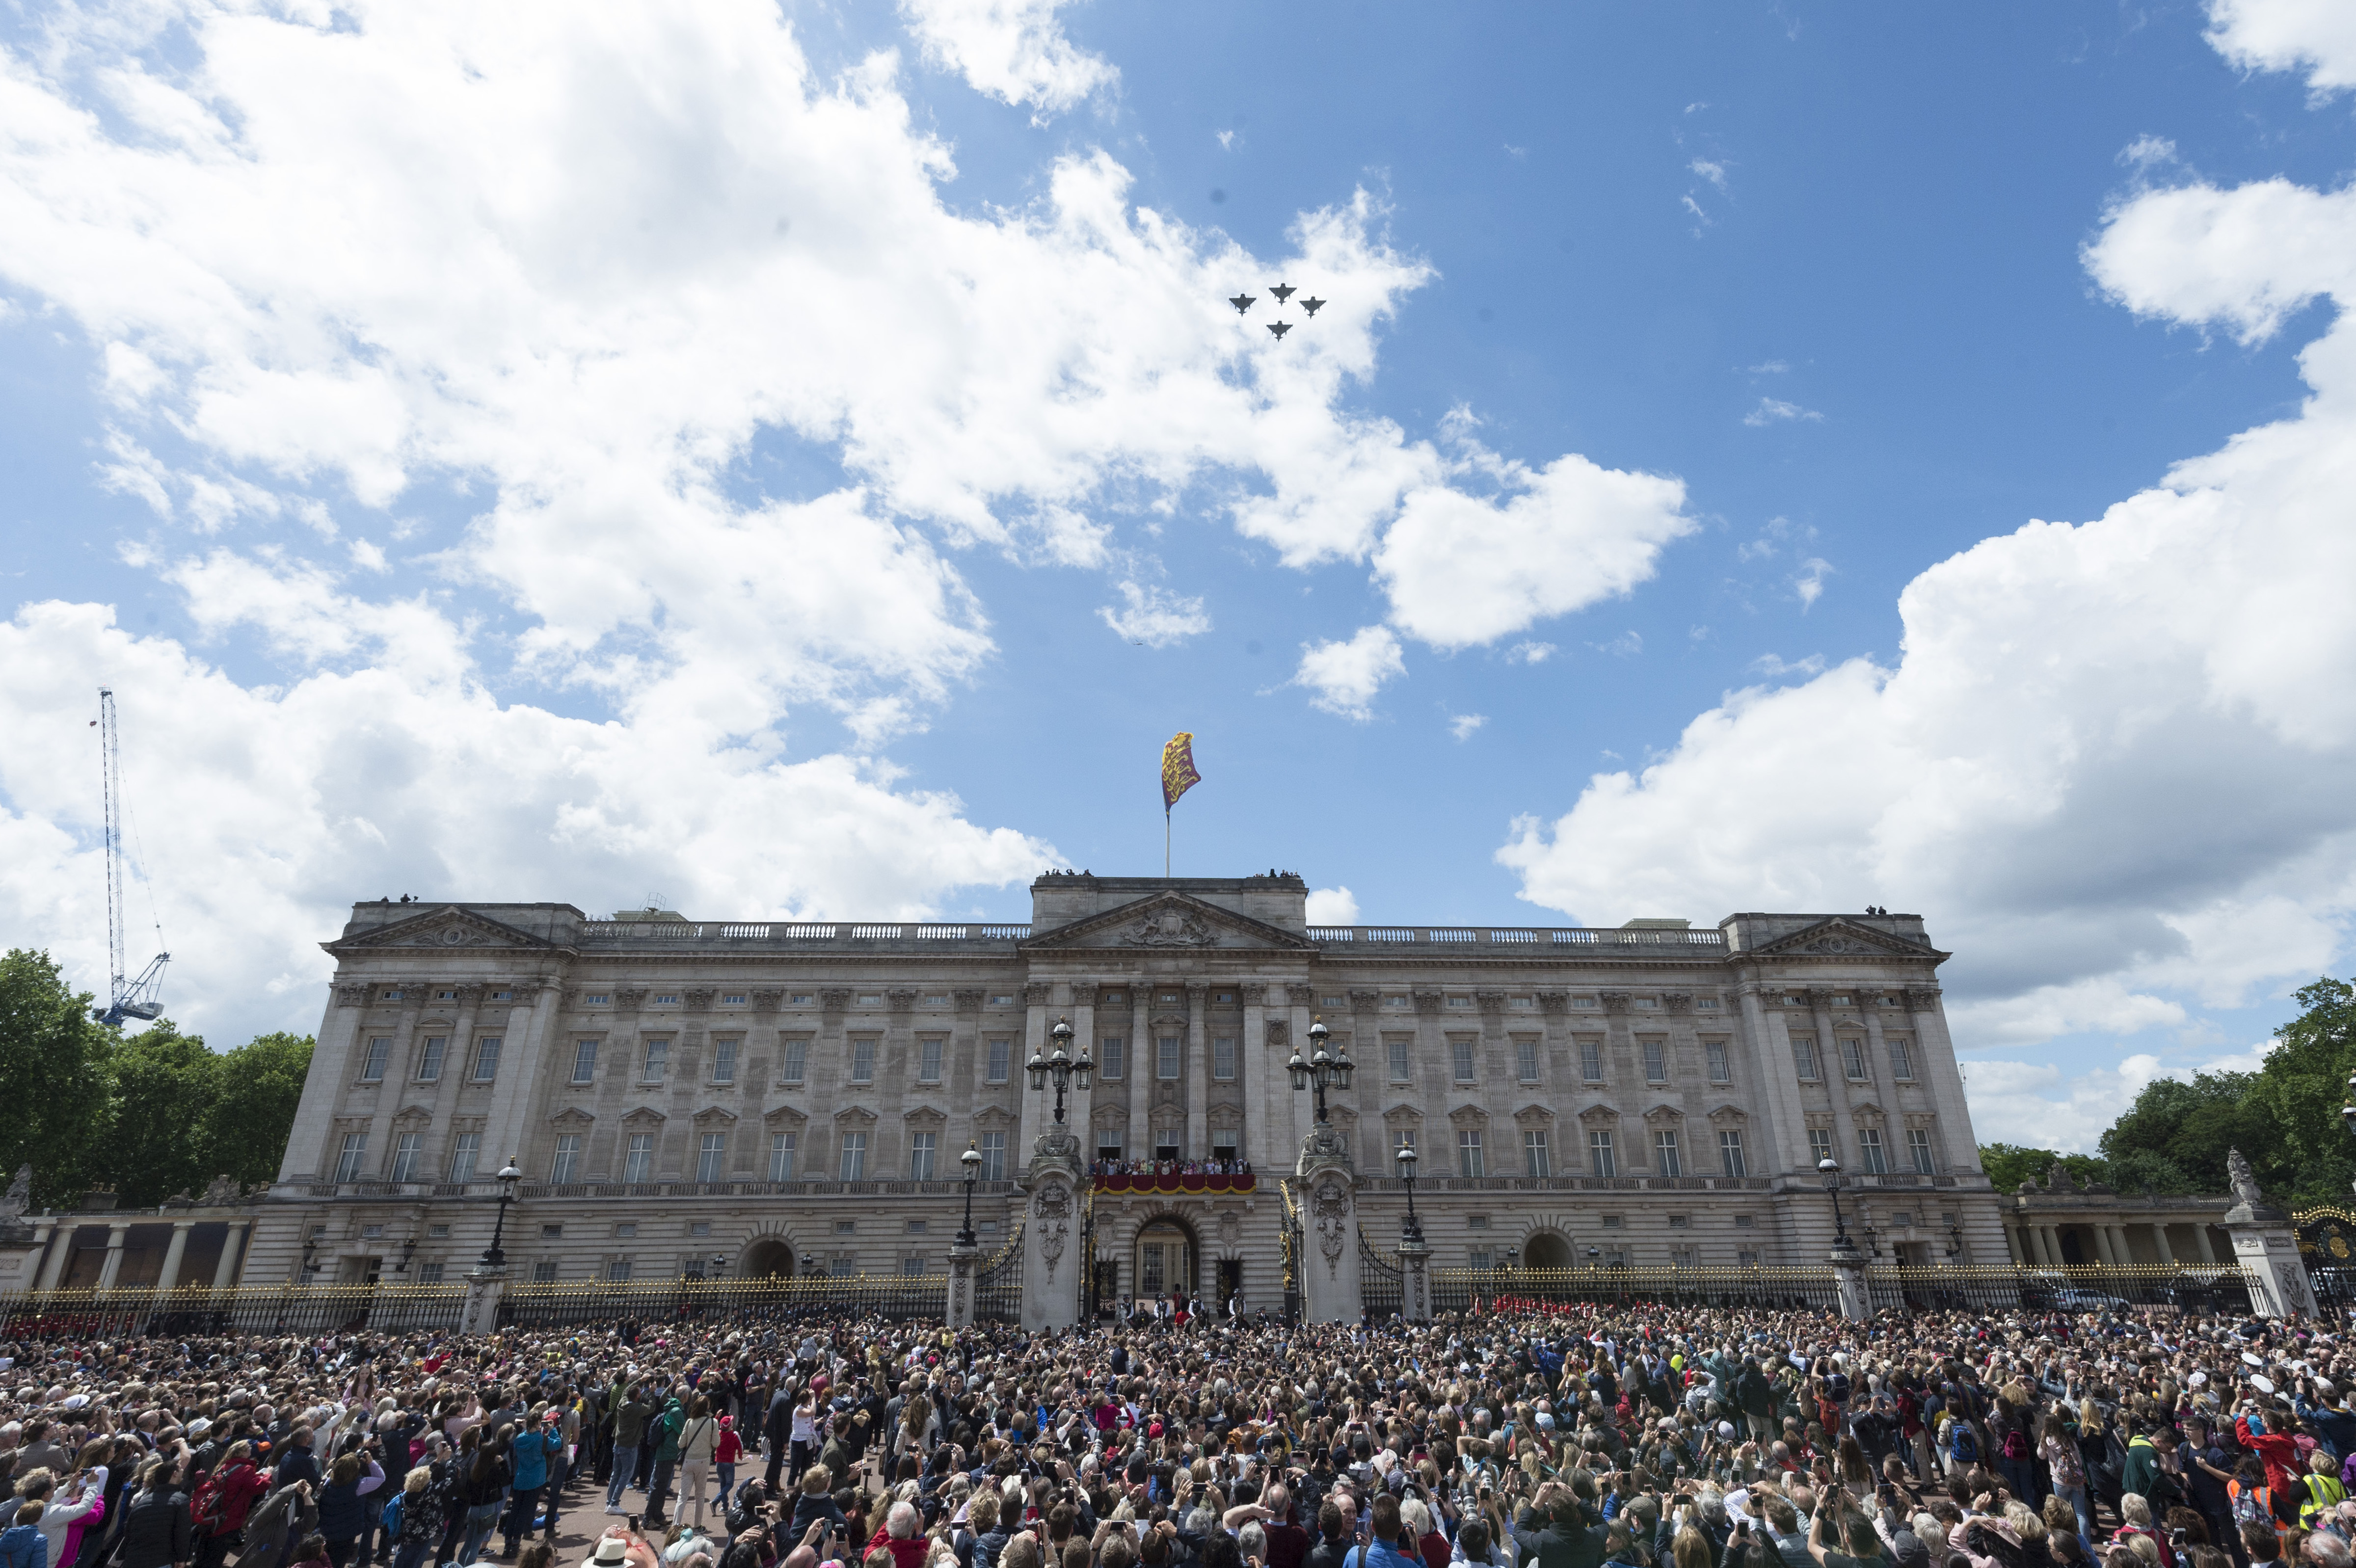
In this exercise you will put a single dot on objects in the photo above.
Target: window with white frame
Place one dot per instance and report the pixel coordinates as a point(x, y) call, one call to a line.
point(1804, 1057)
point(1820, 1144)
point(1223, 1057)
point(598, 999)
point(1112, 1056)
point(1002, 1058)
point(731, 999)
point(1714, 1055)
point(1853, 1059)
point(853, 1166)
point(1460, 1053)
point(1468, 1151)
point(1591, 1061)
point(1656, 1061)
point(928, 1059)
point(1901, 1059)
point(1526, 1060)
point(618, 1271)
point(781, 1157)
point(863, 1059)
point(711, 1157)
point(921, 1148)
point(466, 1153)
point(429, 1274)
point(637, 1160)
point(1482, 1259)
point(1729, 1152)
point(405, 1149)
point(1166, 1056)
point(993, 1156)
point(1918, 1148)
point(1108, 1143)
point(380, 1050)
point(429, 1061)
point(1668, 1158)
point(1868, 1148)
point(348, 1158)
point(723, 1061)
point(796, 1063)
point(1602, 1157)
point(543, 1271)
point(666, 999)
point(657, 1062)
point(584, 1060)
point(486, 1058)
point(561, 1168)
point(1537, 1159)
point(1400, 1048)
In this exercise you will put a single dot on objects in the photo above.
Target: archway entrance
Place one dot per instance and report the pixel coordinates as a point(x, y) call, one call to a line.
point(1545, 1249)
point(768, 1258)
point(1162, 1259)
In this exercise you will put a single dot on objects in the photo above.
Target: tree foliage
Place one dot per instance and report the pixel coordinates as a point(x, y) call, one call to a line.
point(150, 1115)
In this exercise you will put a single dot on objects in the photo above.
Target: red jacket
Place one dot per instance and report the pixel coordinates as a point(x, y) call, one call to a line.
point(241, 1485)
point(2280, 1454)
point(908, 1553)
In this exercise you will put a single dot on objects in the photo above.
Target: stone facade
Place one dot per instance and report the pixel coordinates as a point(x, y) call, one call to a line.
point(766, 1097)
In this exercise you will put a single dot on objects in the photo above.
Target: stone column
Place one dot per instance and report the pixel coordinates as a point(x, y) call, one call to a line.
point(1052, 1264)
point(308, 1153)
point(1934, 1064)
point(173, 1254)
point(1835, 1062)
point(225, 1271)
point(508, 1129)
point(117, 1233)
point(2121, 1248)
point(1031, 1115)
point(963, 1255)
point(2267, 1247)
point(1084, 1043)
point(1252, 1072)
point(1849, 1280)
point(1415, 1279)
point(2012, 1244)
point(1139, 1142)
point(485, 1283)
point(2102, 1254)
point(2159, 1247)
point(2207, 1253)
point(2049, 1239)
point(61, 1253)
point(1330, 1291)
point(1199, 1074)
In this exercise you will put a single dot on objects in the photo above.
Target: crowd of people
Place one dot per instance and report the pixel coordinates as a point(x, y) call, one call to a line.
point(1621, 1435)
point(1169, 1168)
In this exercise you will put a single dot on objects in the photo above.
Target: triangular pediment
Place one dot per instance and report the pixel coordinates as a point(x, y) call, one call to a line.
point(1166, 921)
point(1836, 937)
point(444, 926)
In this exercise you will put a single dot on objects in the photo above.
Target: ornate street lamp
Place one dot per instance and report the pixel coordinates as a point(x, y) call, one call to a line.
point(1831, 1170)
point(1322, 1069)
point(1413, 1231)
point(507, 1177)
point(1060, 1068)
point(971, 1160)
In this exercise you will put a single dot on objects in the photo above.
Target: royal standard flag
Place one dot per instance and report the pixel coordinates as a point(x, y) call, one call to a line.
point(1178, 775)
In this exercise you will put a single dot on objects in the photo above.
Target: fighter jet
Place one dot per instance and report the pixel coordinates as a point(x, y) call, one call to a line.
point(1282, 292)
point(1242, 303)
point(1312, 304)
point(1279, 328)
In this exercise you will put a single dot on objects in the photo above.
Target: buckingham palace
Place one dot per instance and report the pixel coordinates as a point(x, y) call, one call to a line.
point(764, 1098)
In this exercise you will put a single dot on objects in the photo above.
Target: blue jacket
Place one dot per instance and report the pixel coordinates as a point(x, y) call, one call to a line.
point(24, 1546)
point(529, 1452)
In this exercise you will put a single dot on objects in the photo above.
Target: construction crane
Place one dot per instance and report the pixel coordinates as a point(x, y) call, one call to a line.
point(127, 997)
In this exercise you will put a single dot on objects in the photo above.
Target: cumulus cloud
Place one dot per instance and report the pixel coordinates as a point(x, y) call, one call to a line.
point(1013, 50)
point(1344, 675)
point(2316, 36)
point(1332, 906)
point(1156, 618)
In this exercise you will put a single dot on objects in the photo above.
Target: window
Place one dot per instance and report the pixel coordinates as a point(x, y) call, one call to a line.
point(1460, 1052)
point(1165, 1142)
point(618, 1270)
point(1329, 1000)
point(429, 1274)
point(464, 1153)
point(1526, 1060)
point(486, 1058)
point(854, 1156)
point(392, 997)
point(1591, 1061)
point(1804, 1057)
point(1600, 1154)
point(405, 1157)
point(1714, 1051)
point(1535, 1157)
point(1656, 1061)
point(920, 1156)
point(1112, 1052)
point(348, 1162)
point(1613, 1222)
point(842, 1265)
point(1685, 1257)
point(429, 1061)
point(1169, 998)
point(711, 1157)
point(993, 1156)
point(941, 998)
point(445, 996)
point(870, 999)
point(1223, 1142)
point(1399, 1048)
point(1582, 1001)
point(1468, 1151)
point(1729, 1152)
point(1397, 1004)
point(552, 1233)
point(912, 1266)
point(1522, 1004)
point(1002, 1057)
point(641, 1157)
point(1918, 1148)
point(1704, 1004)
point(1476, 1222)
point(669, 999)
point(598, 999)
point(1901, 1059)
point(544, 1271)
point(846, 1226)
point(800, 999)
point(1482, 1258)
point(781, 1157)
point(1223, 1057)
point(1666, 1155)
point(1742, 1223)
point(568, 1156)
point(626, 1229)
point(863, 1059)
point(1680, 1221)
point(1853, 1059)
point(1869, 1145)
point(1820, 1144)
point(796, 1055)
point(928, 1059)
point(584, 1060)
point(372, 1064)
point(1645, 1002)
point(723, 1061)
point(1165, 1057)
point(1108, 1143)
point(439, 1233)
point(731, 999)
point(658, 1061)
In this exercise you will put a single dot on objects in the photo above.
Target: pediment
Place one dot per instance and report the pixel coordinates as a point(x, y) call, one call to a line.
point(855, 1115)
point(445, 926)
point(1838, 937)
point(1163, 921)
point(711, 1114)
point(784, 1116)
point(642, 1115)
point(572, 1115)
point(1665, 1112)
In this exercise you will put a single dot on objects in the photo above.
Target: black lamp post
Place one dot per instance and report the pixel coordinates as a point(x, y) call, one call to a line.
point(1061, 1067)
point(1413, 1231)
point(1321, 1069)
point(507, 1177)
point(1594, 1254)
point(1831, 1170)
point(971, 1160)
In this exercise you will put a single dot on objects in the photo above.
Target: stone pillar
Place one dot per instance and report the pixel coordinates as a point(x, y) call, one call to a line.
point(1138, 1144)
point(2049, 1239)
point(1835, 1065)
point(1934, 1065)
point(1052, 1264)
point(332, 1070)
point(2121, 1246)
point(485, 1283)
point(2159, 1247)
point(1849, 1280)
point(1330, 1291)
point(61, 1253)
point(1084, 1043)
point(2102, 1254)
point(225, 1272)
point(2207, 1253)
point(116, 1234)
point(1199, 1074)
point(963, 1255)
point(1415, 1279)
point(2012, 1244)
point(1252, 1072)
point(173, 1254)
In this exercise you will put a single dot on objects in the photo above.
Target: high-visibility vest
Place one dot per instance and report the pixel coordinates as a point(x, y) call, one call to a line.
point(2323, 1492)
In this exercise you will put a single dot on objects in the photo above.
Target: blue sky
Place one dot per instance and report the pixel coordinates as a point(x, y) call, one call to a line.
point(701, 459)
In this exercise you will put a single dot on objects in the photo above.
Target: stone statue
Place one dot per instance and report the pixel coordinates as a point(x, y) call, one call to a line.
point(2242, 1178)
point(19, 1196)
point(2058, 1178)
point(1324, 1142)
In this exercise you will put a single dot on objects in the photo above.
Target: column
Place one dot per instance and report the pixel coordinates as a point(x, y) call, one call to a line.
point(2200, 1240)
point(1835, 1062)
point(2161, 1249)
point(1031, 1116)
point(2012, 1244)
point(963, 1255)
point(225, 1272)
point(61, 1253)
point(1769, 1041)
point(2050, 1240)
point(117, 1233)
point(1415, 1279)
point(2121, 1249)
point(1934, 1059)
point(1198, 1074)
point(308, 1143)
point(1139, 1144)
point(1252, 1071)
point(173, 1254)
point(1084, 1043)
point(1330, 1284)
point(2101, 1234)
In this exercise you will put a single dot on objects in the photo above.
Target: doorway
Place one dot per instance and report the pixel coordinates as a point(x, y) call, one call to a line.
point(768, 1258)
point(1231, 1279)
point(1164, 1259)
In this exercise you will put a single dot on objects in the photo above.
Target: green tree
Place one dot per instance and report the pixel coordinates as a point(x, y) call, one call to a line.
point(2308, 1155)
point(166, 1083)
point(242, 1133)
point(54, 1078)
point(2176, 1135)
point(2010, 1164)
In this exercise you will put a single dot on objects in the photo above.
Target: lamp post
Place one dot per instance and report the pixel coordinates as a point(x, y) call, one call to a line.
point(971, 1160)
point(1321, 1069)
point(1413, 1230)
point(507, 1177)
point(1831, 1170)
point(1060, 1068)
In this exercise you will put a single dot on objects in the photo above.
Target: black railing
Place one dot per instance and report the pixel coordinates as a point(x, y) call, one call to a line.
point(998, 1283)
point(1382, 1285)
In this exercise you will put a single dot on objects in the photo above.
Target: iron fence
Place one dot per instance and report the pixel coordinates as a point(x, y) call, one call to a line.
point(1783, 1289)
point(200, 1309)
point(998, 1283)
point(1382, 1283)
point(1908, 1288)
point(555, 1304)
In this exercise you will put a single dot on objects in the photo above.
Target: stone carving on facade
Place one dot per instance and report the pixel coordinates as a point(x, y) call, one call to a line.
point(1554, 1004)
point(1365, 1001)
point(698, 1001)
point(1302, 995)
point(2057, 1179)
point(1324, 1142)
point(1614, 1001)
point(19, 1196)
point(956, 1297)
point(1427, 1002)
point(2240, 1177)
point(352, 995)
point(968, 1001)
point(1038, 993)
point(1841, 944)
point(902, 1001)
point(1279, 1031)
point(1677, 1001)
point(1254, 994)
point(1169, 928)
point(1058, 1143)
point(834, 998)
point(766, 1001)
point(1921, 1000)
point(222, 1192)
point(1330, 1205)
point(629, 1000)
point(1490, 1001)
point(1231, 1227)
point(1050, 1215)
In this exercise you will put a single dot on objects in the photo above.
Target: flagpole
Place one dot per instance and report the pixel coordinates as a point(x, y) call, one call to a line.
point(1165, 843)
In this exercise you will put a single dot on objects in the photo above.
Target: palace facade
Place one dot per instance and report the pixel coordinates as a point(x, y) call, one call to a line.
point(760, 1098)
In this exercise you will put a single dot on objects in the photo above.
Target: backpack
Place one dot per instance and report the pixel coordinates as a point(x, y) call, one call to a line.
point(1962, 1443)
point(2016, 1445)
point(209, 1512)
point(394, 1514)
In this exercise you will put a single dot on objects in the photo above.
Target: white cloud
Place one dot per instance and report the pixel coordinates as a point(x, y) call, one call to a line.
point(1626, 645)
point(1809, 583)
point(2289, 35)
point(1345, 676)
point(2030, 1103)
point(2147, 153)
point(1463, 726)
point(1153, 618)
point(1692, 208)
point(1774, 665)
point(1530, 652)
point(1332, 906)
point(1227, 140)
point(1775, 411)
point(1770, 368)
point(1013, 50)
point(1715, 173)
